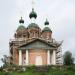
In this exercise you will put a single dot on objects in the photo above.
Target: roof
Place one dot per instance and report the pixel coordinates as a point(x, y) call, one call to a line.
point(33, 25)
point(38, 43)
point(46, 22)
point(46, 29)
point(21, 27)
point(33, 14)
point(21, 20)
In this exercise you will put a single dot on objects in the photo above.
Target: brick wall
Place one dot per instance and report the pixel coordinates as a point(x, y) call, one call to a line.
point(34, 53)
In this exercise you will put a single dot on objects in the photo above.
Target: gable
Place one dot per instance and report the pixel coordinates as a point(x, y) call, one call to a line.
point(37, 44)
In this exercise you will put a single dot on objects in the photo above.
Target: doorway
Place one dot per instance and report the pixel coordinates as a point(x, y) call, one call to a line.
point(38, 60)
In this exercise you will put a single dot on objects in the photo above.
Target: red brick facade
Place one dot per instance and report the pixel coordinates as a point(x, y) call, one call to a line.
point(34, 53)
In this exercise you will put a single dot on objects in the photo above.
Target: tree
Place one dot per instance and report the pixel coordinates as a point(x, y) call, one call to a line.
point(67, 58)
point(4, 60)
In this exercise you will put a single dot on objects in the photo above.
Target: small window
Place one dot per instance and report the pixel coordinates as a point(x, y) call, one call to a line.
point(24, 35)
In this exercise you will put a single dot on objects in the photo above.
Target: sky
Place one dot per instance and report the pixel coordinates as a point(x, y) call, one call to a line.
point(60, 14)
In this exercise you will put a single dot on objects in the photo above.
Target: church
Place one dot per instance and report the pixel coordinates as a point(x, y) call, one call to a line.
point(34, 46)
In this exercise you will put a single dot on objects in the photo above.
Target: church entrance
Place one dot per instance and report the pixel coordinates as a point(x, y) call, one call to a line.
point(38, 60)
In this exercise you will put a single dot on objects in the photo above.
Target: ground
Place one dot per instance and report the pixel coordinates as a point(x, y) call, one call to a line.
point(50, 71)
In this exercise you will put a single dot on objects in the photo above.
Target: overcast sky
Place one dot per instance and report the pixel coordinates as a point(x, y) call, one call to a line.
point(60, 13)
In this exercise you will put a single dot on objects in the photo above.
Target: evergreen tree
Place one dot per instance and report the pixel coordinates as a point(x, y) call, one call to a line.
point(67, 58)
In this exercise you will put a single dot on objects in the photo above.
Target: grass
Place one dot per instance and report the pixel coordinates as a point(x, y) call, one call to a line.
point(41, 73)
point(51, 71)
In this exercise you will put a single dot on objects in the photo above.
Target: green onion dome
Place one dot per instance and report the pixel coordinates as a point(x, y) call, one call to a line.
point(47, 29)
point(33, 14)
point(33, 25)
point(21, 20)
point(21, 27)
point(46, 23)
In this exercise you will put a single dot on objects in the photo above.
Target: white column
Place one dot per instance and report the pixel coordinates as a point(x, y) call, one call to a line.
point(27, 57)
point(48, 57)
point(54, 57)
point(20, 57)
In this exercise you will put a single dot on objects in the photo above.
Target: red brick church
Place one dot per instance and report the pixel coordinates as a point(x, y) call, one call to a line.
point(34, 46)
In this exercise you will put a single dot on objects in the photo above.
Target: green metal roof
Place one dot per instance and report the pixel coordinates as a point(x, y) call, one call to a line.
point(46, 29)
point(21, 20)
point(21, 27)
point(33, 25)
point(33, 14)
point(46, 22)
